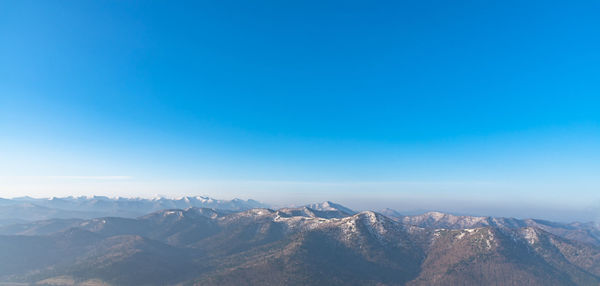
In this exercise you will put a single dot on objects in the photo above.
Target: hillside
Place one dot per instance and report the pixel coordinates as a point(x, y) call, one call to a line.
point(324, 244)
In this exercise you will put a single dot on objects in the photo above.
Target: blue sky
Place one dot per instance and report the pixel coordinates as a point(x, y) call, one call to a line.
point(407, 104)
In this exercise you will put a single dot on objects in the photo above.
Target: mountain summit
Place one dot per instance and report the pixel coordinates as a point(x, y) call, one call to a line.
point(330, 206)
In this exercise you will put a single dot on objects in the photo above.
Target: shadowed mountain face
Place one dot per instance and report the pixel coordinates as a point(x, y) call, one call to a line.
point(321, 244)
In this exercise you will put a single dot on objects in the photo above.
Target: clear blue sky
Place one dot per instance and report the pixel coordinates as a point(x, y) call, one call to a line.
point(414, 102)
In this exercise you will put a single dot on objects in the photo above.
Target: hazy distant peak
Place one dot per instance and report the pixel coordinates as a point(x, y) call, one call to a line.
point(391, 212)
point(330, 206)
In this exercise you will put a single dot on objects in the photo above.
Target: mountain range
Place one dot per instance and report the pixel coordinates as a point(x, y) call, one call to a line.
point(27, 209)
point(317, 244)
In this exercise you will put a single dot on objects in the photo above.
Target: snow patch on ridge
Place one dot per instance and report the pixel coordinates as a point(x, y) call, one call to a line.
point(530, 235)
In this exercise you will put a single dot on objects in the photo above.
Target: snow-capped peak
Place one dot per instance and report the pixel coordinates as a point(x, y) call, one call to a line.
point(330, 206)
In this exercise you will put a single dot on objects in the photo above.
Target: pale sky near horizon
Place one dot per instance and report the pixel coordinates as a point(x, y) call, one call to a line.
point(464, 105)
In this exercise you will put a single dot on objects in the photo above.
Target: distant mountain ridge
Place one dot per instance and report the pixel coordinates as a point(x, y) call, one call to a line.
point(584, 232)
point(25, 209)
point(317, 244)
